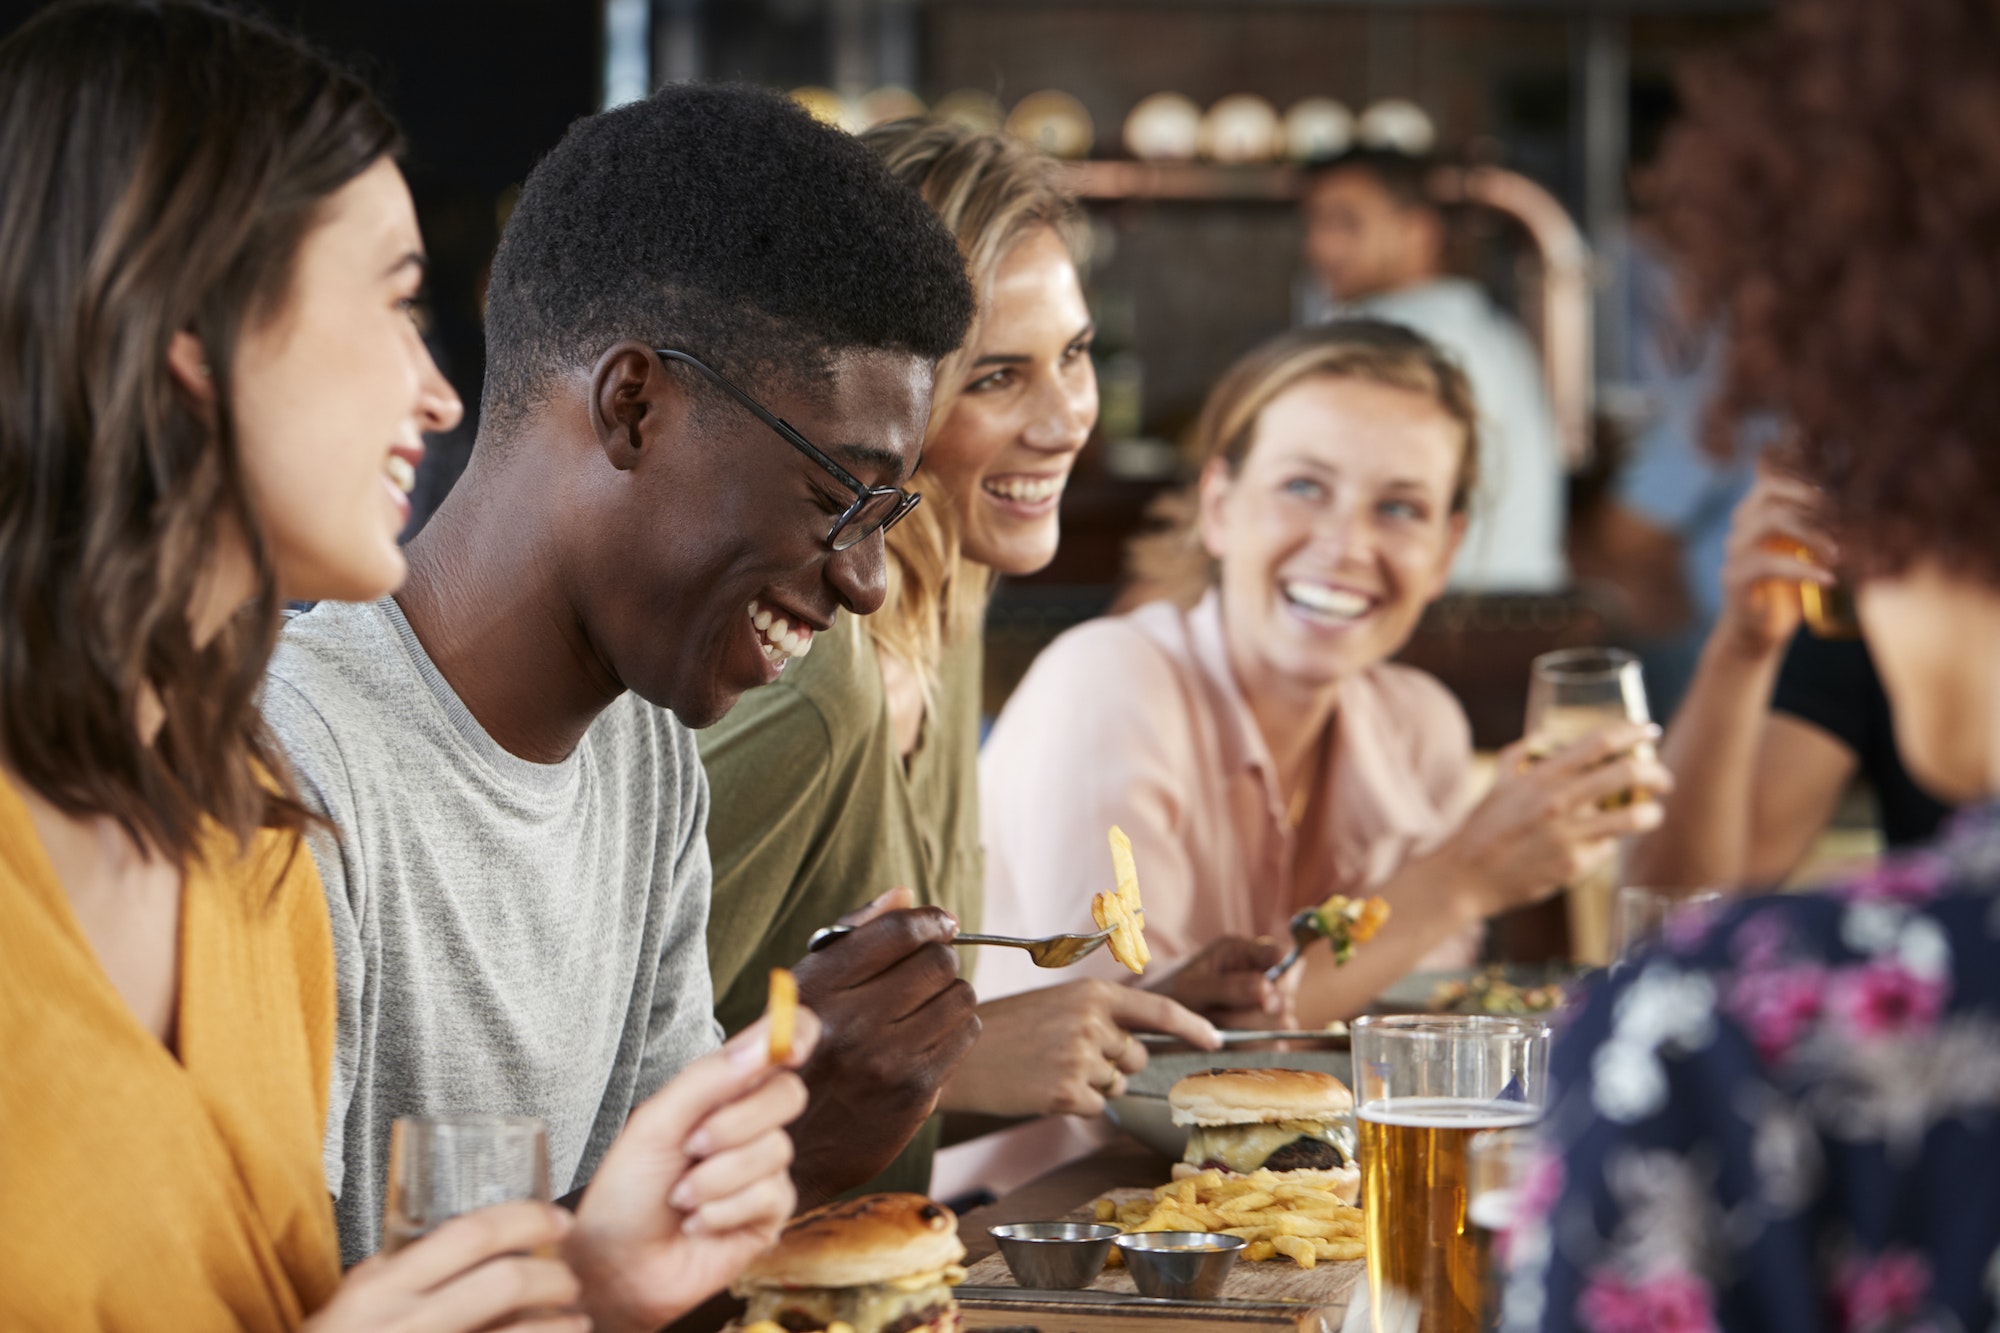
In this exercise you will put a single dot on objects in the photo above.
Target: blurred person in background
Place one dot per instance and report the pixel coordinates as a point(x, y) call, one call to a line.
point(857, 770)
point(1778, 721)
point(211, 395)
point(1248, 729)
point(1375, 246)
point(1662, 533)
point(520, 885)
point(1784, 1119)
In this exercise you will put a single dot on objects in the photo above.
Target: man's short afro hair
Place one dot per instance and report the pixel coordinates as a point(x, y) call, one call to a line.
point(727, 222)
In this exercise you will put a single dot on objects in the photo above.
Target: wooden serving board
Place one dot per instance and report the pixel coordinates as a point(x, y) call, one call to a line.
point(1272, 1294)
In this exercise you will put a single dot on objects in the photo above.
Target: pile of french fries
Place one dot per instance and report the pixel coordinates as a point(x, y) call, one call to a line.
point(1305, 1223)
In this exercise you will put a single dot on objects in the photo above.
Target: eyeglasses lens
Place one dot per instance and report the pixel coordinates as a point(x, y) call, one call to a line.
point(880, 510)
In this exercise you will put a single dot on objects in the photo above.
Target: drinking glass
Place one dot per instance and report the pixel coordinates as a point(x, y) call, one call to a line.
point(1828, 608)
point(1426, 1086)
point(1644, 913)
point(1497, 1162)
point(444, 1165)
point(1571, 694)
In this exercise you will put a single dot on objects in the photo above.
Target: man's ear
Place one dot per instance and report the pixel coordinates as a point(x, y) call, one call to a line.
point(629, 393)
point(1426, 238)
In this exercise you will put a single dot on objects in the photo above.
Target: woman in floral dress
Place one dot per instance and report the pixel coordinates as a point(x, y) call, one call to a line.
point(1789, 1118)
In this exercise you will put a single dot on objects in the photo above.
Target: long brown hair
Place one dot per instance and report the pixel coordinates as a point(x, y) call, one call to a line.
point(991, 191)
point(1171, 562)
point(162, 163)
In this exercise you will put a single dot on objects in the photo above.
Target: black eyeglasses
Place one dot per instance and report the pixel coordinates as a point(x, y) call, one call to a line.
point(875, 508)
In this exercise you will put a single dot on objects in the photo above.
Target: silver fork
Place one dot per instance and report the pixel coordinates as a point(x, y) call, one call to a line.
point(1054, 951)
point(1305, 929)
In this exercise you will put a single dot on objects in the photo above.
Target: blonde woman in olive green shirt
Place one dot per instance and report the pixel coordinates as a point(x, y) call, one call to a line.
point(854, 773)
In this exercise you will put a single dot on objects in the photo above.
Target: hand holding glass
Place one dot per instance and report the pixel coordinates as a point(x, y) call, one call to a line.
point(1572, 694)
point(441, 1166)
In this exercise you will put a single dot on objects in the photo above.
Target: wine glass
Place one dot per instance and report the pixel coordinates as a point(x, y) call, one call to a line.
point(1573, 693)
point(444, 1165)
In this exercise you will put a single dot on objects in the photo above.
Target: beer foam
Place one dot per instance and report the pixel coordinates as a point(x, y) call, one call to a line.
point(1449, 1113)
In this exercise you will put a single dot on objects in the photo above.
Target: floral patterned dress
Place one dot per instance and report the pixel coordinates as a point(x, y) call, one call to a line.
point(1787, 1118)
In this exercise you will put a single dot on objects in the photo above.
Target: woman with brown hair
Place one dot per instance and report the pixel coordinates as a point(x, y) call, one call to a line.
point(213, 397)
point(1786, 1120)
point(1247, 729)
point(856, 772)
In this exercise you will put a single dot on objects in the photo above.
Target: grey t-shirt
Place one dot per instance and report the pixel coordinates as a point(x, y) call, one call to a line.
point(508, 936)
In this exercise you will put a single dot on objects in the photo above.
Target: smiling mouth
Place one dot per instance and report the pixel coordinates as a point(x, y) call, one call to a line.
point(401, 472)
point(778, 638)
point(1025, 490)
point(1327, 605)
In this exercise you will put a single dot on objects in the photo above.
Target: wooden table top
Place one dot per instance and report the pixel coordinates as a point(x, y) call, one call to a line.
point(1270, 1297)
point(1118, 1165)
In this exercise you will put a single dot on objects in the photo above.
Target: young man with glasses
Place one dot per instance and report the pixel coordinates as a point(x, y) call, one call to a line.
point(711, 330)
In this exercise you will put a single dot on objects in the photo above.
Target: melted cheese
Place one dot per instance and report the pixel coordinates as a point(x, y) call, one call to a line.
point(863, 1307)
point(1244, 1148)
point(949, 1276)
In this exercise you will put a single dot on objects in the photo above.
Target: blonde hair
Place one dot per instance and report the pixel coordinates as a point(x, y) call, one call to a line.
point(990, 191)
point(1170, 561)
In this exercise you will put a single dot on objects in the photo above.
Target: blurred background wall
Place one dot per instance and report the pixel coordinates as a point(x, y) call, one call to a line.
point(1182, 278)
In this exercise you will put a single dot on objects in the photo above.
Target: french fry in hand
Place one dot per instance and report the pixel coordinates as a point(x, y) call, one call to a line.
point(783, 1008)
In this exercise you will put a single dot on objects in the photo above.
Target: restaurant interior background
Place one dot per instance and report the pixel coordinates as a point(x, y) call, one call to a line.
point(1191, 263)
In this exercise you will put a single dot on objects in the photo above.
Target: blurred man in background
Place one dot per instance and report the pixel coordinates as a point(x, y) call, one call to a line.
point(1375, 245)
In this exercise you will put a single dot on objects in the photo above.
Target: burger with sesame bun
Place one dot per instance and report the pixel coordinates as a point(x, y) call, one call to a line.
point(1289, 1121)
point(884, 1263)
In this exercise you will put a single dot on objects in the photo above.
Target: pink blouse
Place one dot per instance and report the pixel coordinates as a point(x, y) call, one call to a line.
point(1136, 720)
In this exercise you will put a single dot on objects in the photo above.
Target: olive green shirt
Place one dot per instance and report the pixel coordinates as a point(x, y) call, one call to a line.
point(812, 814)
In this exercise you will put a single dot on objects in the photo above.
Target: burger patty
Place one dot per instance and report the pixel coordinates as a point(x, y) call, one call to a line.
point(1304, 1154)
point(798, 1321)
point(914, 1319)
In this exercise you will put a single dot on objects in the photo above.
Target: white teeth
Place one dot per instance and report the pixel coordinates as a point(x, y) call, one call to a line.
point(402, 473)
point(1336, 602)
point(778, 638)
point(1027, 490)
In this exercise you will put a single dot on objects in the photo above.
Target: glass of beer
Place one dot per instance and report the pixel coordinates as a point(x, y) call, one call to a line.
point(1571, 694)
point(444, 1165)
point(1828, 607)
point(1425, 1086)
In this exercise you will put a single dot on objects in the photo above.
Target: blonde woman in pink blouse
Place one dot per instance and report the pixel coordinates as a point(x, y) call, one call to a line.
point(1247, 728)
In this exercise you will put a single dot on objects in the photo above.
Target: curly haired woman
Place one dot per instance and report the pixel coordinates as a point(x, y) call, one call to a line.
point(1787, 1121)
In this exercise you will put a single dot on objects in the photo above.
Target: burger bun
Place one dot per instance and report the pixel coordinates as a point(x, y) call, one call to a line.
point(859, 1242)
point(1254, 1096)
